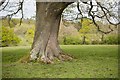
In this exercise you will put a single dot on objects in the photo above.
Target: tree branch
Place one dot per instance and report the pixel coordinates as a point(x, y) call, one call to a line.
point(2, 2)
point(20, 8)
point(5, 5)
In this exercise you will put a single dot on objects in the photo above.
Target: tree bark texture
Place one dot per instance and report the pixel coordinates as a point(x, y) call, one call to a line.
point(45, 45)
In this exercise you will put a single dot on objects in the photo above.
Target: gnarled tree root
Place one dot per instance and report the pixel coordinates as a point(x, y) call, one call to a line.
point(47, 60)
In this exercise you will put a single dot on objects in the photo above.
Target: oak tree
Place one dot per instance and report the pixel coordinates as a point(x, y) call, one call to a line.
point(45, 45)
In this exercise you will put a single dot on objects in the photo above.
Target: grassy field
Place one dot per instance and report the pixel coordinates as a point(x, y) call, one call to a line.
point(92, 61)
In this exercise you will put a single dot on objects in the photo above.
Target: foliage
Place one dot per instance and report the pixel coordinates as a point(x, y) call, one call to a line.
point(29, 21)
point(8, 38)
point(90, 39)
point(111, 39)
point(26, 33)
point(71, 40)
point(68, 35)
point(12, 23)
point(87, 26)
point(30, 35)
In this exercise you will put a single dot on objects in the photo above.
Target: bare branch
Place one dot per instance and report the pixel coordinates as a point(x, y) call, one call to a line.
point(2, 2)
point(20, 8)
point(105, 14)
point(5, 6)
point(93, 19)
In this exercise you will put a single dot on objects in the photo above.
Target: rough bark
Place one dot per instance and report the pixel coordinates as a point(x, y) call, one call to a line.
point(45, 45)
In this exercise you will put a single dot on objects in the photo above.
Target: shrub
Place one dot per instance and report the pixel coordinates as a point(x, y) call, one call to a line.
point(71, 40)
point(8, 38)
point(12, 23)
point(111, 39)
point(29, 35)
point(25, 33)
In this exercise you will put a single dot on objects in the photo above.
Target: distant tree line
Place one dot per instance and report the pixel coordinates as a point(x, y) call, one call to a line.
point(15, 35)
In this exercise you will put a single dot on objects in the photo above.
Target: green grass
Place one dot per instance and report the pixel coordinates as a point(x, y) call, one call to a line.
point(92, 61)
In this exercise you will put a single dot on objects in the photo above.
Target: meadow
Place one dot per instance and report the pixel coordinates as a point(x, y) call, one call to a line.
point(91, 61)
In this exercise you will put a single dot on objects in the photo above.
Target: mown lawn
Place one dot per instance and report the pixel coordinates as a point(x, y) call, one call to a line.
point(92, 61)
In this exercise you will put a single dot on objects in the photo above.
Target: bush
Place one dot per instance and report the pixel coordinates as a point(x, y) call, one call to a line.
point(111, 39)
point(8, 37)
point(25, 33)
point(29, 35)
point(71, 40)
point(12, 23)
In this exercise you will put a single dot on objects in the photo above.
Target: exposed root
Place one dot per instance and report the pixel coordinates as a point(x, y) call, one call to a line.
point(66, 57)
point(46, 59)
point(60, 57)
point(25, 59)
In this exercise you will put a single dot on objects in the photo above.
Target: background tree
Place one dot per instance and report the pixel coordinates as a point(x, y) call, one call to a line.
point(87, 28)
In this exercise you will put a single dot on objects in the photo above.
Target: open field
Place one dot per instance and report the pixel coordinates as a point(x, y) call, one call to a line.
point(92, 61)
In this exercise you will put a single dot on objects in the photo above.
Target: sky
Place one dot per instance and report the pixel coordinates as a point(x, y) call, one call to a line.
point(29, 9)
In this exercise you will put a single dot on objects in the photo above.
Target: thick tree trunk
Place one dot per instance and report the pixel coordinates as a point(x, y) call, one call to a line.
point(45, 46)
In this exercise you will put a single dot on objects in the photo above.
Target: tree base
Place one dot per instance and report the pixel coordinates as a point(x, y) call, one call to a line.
point(61, 57)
